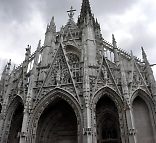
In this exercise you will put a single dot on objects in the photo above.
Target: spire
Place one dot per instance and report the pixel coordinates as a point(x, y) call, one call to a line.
point(116, 56)
point(39, 45)
point(149, 75)
point(9, 64)
point(52, 26)
point(4, 71)
point(144, 56)
point(8, 67)
point(114, 41)
point(85, 10)
point(97, 24)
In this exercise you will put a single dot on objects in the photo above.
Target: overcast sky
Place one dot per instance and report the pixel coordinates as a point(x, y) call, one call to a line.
point(23, 22)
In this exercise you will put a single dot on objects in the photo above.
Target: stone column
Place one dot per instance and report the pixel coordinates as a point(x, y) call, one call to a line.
point(128, 110)
point(130, 124)
point(87, 130)
point(23, 133)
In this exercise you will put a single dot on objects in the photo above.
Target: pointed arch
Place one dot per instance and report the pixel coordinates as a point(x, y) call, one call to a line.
point(144, 95)
point(13, 121)
point(51, 102)
point(107, 114)
point(72, 49)
point(144, 116)
point(111, 93)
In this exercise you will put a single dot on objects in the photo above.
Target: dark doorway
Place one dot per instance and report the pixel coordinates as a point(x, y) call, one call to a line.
point(16, 124)
point(108, 130)
point(57, 124)
point(142, 121)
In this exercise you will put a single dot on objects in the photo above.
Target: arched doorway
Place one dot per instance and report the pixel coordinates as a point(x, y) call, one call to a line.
point(143, 122)
point(16, 114)
point(107, 121)
point(57, 124)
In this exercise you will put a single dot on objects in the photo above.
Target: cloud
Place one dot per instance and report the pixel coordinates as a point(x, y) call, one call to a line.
point(102, 7)
point(16, 10)
point(23, 22)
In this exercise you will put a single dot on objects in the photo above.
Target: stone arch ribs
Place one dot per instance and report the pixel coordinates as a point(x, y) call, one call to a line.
point(50, 98)
point(105, 77)
point(107, 120)
point(57, 122)
point(59, 75)
point(13, 121)
point(145, 96)
point(119, 104)
point(112, 94)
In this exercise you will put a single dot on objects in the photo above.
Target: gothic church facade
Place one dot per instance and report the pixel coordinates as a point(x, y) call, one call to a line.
point(78, 88)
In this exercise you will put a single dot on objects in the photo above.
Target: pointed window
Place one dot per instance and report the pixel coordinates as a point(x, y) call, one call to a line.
point(74, 63)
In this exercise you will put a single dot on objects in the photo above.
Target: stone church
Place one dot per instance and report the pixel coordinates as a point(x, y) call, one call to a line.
point(78, 88)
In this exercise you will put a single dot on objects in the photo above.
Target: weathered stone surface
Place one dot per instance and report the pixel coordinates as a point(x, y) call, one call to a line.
point(78, 88)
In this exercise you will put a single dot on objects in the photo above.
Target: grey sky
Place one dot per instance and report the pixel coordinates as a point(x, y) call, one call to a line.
point(23, 22)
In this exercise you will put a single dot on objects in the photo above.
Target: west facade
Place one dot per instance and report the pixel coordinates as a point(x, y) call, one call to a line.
point(78, 88)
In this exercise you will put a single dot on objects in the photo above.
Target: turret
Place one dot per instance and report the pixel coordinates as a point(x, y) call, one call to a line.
point(115, 50)
point(149, 73)
point(89, 40)
point(5, 78)
point(6, 72)
point(50, 33)
point(49, 43)
point(97, 30)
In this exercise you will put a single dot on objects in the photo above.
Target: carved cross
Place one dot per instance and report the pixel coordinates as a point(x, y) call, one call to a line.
point(71, 13)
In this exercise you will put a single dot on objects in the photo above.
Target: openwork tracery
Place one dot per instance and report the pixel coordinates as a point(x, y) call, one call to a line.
point(74, 62)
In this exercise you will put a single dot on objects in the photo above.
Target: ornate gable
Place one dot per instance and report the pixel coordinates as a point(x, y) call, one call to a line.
point(105, 77)
point(59, 75)
point(136, 79)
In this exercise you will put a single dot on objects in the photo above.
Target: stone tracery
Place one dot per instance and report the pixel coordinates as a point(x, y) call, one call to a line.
point(77, 80)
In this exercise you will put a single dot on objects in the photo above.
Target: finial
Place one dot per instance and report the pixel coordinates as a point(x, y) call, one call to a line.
point(131, 53)
point(52, 20)
point(143, 53)
point(71, 13)
point(52, 23)
point(9, 64)
point(39, 44)
point(28, 52)
point(28, 48)
point(114, 41)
